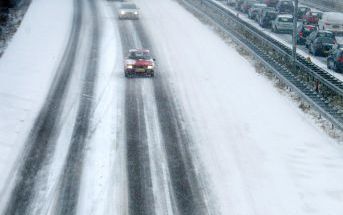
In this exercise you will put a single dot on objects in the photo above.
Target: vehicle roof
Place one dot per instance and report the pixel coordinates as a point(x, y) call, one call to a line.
point(334, 14)
point(260, 4)
point(325, 31)
point(139, 50)
point(285, 16)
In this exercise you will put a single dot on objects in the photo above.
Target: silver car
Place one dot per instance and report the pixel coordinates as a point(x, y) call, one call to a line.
point(282, 23)
point(128, 11)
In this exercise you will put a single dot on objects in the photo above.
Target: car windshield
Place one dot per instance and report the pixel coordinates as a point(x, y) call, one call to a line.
point(139, 55)
point(285, 19)
point(302, 9)
point(128, 6)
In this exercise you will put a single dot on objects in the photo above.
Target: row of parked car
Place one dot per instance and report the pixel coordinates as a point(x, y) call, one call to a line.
point(316, 30)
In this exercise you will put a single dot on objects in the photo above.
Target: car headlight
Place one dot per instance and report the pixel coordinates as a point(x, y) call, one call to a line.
point(129, 66)
point(136, 12)
point(150, 67)
point(122, 12)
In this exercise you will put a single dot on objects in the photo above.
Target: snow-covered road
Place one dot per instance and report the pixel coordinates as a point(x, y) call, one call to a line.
point(207, 135)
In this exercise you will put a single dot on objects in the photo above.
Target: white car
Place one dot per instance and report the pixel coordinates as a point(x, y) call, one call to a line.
point(332, 21)
point(282, 23)
point(128, 11)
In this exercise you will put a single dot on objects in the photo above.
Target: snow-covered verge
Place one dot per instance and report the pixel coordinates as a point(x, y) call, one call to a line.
point(27, 69)
point(261, 153)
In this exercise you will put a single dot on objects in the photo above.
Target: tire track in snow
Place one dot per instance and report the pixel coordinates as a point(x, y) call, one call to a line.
point(186, 194)
point(186, 187)
point(70, 181)
point(137, 150)
point(41, 141)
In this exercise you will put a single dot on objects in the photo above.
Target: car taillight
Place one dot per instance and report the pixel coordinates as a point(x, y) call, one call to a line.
point(301, 34)
point(340, 59)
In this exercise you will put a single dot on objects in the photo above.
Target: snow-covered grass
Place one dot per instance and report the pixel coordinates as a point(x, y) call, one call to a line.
point(27, 69)
point(261, 153)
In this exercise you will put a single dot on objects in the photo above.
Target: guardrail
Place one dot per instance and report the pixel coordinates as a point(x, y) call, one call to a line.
point(325, 5)
point(278, 58)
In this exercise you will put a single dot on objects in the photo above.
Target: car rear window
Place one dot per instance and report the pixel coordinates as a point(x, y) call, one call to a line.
point(309, 27)
point(285, 19)
point(325, 34)
point(326, 40)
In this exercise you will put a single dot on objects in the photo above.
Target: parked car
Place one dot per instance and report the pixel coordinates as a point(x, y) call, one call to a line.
point(335, 60)
point(332, 21)
point(267, 17)
point(321, 46)
point(285, 6)
point(302, 10)
point(247, 5)
point(271, 3)
point(128, 11)
point(282, 23)
point(317, 34)
point(231, 2)
point(303, 31)
point(139, 62)
point(312, 17)
point(253, 11)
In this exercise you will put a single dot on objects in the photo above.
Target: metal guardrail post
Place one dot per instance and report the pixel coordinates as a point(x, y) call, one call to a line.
point(294, 41)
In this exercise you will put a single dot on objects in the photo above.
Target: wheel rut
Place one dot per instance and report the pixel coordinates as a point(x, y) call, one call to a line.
point(140, 197)
point(187, 192)
point(71, 179)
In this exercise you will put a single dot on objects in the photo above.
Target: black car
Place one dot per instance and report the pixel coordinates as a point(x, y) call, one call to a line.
point(322, 46)
point(302, 12)
point(285, 6)
point(267, 17)
point(335, 60)
point(316, 34)
point(303, 31)
point(253, 11)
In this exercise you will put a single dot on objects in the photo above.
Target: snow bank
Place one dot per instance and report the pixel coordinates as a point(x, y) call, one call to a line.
point(27, 69)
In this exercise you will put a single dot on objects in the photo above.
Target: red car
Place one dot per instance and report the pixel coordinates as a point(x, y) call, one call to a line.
point(139, 62)
point(312, 17)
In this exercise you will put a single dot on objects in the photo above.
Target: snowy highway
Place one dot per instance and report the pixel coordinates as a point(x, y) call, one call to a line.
point(209, 134)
